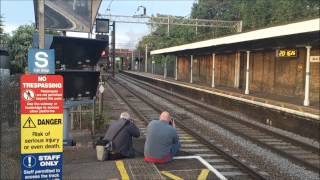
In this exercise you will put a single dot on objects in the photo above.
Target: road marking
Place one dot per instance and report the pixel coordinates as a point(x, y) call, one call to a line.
point(122, 170)
point(204, 174)
point(170, 175)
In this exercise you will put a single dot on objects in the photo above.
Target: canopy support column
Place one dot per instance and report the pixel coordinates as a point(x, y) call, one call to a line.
point(247, 73)
point(191, 64)
point(213, 60)
point(176, 77)
point(306, 101)
point(165, 69)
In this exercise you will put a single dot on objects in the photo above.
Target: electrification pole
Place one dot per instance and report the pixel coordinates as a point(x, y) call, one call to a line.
point(146, 60)
point(113, 47)
point(41, 23)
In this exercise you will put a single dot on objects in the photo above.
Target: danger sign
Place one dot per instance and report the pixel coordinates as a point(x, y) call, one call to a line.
point(41, 133)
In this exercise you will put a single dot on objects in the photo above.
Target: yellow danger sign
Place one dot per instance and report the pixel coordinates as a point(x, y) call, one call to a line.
point(41, 133)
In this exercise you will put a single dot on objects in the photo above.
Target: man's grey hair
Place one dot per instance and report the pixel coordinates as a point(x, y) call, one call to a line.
point(125, 115)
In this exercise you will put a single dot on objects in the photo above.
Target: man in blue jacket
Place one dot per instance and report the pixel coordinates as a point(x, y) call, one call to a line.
point(162, 141)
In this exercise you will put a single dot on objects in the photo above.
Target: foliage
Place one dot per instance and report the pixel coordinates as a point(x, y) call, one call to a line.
point(19, 44)
point(253, 13)
point(257, 13)
point(159, 38)
point(1, 25)
point(4, 37)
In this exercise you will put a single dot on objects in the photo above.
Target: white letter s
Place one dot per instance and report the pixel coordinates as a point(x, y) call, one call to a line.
point(41, 59)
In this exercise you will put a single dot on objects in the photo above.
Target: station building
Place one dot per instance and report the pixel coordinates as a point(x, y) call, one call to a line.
point(279, 62)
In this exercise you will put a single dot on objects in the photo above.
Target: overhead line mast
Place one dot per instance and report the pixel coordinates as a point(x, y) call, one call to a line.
point(235, 26)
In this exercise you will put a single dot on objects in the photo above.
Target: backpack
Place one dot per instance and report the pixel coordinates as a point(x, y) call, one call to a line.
point(108, 145)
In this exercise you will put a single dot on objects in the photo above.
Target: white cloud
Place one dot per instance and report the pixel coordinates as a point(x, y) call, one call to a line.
point(124, 40)
point(9, 28)
point(77, 34)
point(128, 40)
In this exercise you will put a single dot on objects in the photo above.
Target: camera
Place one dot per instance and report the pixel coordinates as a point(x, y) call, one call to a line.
point(171, 122)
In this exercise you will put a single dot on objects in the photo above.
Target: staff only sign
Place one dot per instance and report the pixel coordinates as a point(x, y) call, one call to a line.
point(41, 126)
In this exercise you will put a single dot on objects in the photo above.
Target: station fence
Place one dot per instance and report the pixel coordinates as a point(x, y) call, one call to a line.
point(10, 126)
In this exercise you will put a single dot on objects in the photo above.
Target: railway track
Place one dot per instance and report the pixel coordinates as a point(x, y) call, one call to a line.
point(302, 154)
point(191, 141)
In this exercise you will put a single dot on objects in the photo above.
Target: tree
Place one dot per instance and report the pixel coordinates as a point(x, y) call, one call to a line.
point(4, 38)
point(1, 25)
point(19, 44)
point(257, 13)
point(253, 13)
point(160, 39)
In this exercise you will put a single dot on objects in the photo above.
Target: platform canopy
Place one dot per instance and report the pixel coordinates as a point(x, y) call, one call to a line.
point(300, 31)
point(69, 15)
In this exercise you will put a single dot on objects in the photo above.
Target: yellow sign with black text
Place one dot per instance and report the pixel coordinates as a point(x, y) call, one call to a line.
point(41, 133)
point(287, 53)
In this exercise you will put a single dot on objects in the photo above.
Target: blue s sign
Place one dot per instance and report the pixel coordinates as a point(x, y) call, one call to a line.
point(41, 61)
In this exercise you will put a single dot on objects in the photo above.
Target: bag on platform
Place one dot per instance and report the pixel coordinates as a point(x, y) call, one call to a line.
point(106, 148)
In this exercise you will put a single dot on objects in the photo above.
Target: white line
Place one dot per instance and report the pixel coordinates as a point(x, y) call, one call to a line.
point(205, 163)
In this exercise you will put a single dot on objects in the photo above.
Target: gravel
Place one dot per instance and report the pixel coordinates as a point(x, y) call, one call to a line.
point(276, 166)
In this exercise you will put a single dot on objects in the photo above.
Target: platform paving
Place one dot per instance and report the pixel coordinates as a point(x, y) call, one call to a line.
point(79, 162)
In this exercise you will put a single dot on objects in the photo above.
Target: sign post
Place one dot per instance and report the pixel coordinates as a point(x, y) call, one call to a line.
point(41, 126)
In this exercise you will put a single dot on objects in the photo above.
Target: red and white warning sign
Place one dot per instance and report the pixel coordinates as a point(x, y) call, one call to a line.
point(41, 94)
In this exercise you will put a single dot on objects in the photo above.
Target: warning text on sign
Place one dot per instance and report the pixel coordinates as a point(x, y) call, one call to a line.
point(41, 133)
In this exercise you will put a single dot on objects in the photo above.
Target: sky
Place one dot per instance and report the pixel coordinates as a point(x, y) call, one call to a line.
point(20, 12)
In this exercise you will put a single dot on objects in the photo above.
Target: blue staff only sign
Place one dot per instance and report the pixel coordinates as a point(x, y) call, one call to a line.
point(41, 61)
point(41, 166)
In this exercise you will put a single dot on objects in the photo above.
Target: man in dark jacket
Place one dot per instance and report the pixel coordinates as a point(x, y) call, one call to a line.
point(122, 143)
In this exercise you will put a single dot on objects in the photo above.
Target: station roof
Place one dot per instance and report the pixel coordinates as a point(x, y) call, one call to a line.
point(309, 26)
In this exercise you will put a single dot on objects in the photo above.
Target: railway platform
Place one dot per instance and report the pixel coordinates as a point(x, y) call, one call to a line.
point(286, 103)
point(80, 163)
point(270, 110)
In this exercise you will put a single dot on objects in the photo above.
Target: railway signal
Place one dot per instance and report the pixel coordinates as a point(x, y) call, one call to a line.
point(76, 59)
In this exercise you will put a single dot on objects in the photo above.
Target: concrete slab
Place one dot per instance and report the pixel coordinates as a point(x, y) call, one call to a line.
point(80, 162)
point(91, 170)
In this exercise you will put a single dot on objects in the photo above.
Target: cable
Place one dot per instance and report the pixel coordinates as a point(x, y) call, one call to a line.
point(109, 6)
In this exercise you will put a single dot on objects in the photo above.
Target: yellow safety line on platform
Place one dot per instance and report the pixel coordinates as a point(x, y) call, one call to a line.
point(186, 137)
point(204, 174)
point(122, 170)
point(187, 140)
point(170, 175)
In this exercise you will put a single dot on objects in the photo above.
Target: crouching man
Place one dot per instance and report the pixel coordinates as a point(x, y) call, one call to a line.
point(120, 133)
point(162, 141)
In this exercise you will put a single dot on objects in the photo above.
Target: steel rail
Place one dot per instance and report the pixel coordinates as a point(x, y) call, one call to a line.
point(250, 171)
point(283, 153)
